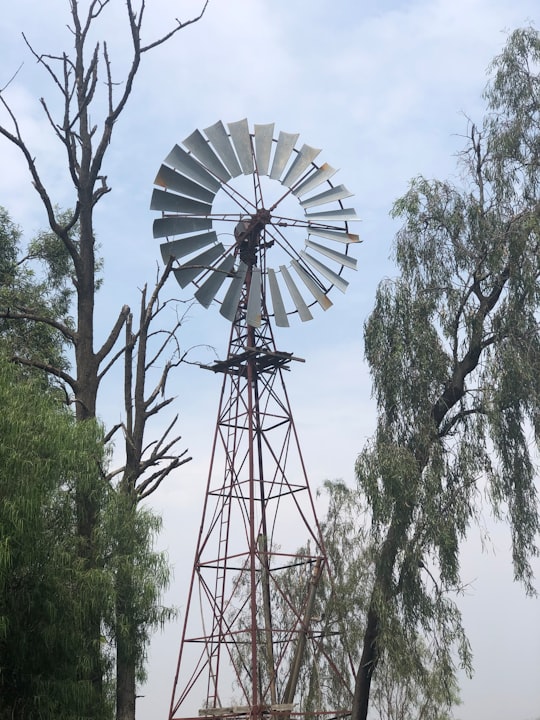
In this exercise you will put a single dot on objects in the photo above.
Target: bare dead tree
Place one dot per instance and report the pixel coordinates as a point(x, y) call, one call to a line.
point(85, 134)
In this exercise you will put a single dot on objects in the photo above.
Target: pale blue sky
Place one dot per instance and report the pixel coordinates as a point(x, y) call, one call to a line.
point(383, 88)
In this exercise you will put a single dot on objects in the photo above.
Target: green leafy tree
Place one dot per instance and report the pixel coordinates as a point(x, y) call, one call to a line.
point(46, 594)
point(454, 350)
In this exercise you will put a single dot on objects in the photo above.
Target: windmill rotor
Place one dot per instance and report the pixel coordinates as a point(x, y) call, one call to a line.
point(287, 229)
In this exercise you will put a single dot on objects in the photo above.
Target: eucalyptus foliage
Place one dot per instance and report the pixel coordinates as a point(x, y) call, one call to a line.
point(454, 350)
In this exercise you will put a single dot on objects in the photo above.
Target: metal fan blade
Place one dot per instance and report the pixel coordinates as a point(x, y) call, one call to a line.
point(264, 135)
point(203, 152)
point(298, 300)
point(169, 226)
point(253, 312)
point(338, 257)
point(277, 301)
point(301, 162)
point(242, 143)
point(220, 140)
point(162, 200)
point(336, 193)
point(317, 178)
point(338, 235)
point(185, 246)
point(197, 265)
point(284, 148)
point(312, 286)
point(229, 306)
point(172, 180)
point(329, 274)
point(179, 159)
point(209, 289)
point(343, 214)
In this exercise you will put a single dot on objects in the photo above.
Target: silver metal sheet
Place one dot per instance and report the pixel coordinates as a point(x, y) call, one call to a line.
point(314, 180)
point(253, 311)
point(300, 164)
point(312, 286)
point(220, 140)
point(197, 265)
point(187, 165)
point(229, 306)
point(343, 214)
point(209, 289)
point(242, 143)
point(337, 235)
point(162, 200)
point(170, 226)
point(185, 246)
point(334, 278)
point(264, 135)
point(336, 193)
point(277, 301)
point(172, 180)
point(285, 146)
point(338, 257)
point(303, 310)
point(203, 152)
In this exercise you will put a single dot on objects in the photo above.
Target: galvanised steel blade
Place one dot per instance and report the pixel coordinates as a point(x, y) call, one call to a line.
point(186, 164)
point(338, 257)
point(264, 135)
point(209, 289)
point(197, 265)
point(329, 274)
point(284, 148)
point(280, 314)
point(203, 152)
point(218, 136)
point(303, 310)
point(185, 246)
point(242, 144)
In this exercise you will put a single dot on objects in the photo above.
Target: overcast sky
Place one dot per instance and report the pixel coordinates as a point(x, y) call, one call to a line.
point(384, 88)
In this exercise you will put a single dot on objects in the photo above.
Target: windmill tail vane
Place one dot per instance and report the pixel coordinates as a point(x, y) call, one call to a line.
point(260, 231)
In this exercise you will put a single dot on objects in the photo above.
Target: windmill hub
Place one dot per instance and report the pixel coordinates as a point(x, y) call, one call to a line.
point(248, 235)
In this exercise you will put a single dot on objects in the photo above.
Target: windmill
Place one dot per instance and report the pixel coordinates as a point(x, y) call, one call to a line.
point(256, 225)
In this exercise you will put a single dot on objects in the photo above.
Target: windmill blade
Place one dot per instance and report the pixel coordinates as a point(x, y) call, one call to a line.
point(317, 178)
point(242, 143)
point(203, 152)
point(229, 306)
point(336, 193)
point(264, 135)
point(172, 180)
point(185, 246)
point(169, 226)
point(209, 289)
point(162, 200)
point(197, 265)
point(280, 314)
point(329, 274)
point(303, 310)
point(284, 148)
point(337, 235)
point(338, 257)
point(220, 140)
point(301, 162)
point(182, 161)
point(253, 311)
point(343, 214)
point(323, 300)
